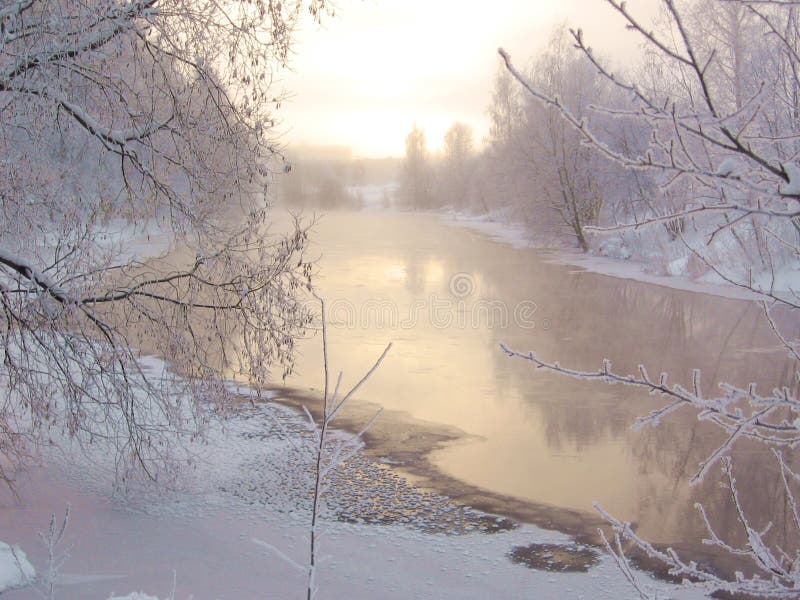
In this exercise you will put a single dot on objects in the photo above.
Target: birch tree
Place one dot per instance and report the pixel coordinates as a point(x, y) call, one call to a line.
point(153, 114)
point(506, 182)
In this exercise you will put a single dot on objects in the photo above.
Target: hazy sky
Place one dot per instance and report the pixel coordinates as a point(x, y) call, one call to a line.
point(379, 66)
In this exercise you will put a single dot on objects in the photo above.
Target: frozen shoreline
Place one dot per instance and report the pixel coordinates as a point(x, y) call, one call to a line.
point(516, 236)
point(252, 483)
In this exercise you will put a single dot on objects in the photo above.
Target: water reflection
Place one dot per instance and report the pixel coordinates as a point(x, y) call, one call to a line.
point(541, 437)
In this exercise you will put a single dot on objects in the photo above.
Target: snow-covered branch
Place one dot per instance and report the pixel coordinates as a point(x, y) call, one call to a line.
point(742, 412)
point(775, 576)
point(120, 120)
point(705, 135)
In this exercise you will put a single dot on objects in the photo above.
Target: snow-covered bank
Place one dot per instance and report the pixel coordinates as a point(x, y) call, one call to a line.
point(615, 263)
point(251, 481)
point(214, 556)
point(15, 569)
point(132, 242)
point(495, 227)
point(637, 271)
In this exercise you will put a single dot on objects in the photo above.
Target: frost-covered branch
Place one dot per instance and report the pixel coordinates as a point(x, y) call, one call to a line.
point(694, 210)
point(690, 137)
point(121, 120)
point(706, 133)
point(325, 464)
point(327, 456)
point(742, 412)
point(777, 575)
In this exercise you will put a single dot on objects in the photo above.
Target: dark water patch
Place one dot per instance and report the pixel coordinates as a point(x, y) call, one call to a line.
point(555, 557)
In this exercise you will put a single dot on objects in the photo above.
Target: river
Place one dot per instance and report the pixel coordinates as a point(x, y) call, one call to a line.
point(446, 297)
point(460, 418)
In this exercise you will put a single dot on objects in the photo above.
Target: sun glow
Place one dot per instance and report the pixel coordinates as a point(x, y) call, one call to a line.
point(375, 69)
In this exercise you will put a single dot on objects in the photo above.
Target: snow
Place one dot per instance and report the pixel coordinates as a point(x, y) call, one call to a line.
point(729, 166)
point(214, 557)
point(493, 227)
point(637, 271)
point(251, 481)
point(134, 241)
point(11, 575)
point(615, 247)
point(11, 258)
point(792, 188)
point(678, 266)
point(616, 260)
point(784, 279)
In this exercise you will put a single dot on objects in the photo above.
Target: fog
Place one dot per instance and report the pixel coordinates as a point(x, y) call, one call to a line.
point(551, 248)
point(364, 77)
point(672, 163)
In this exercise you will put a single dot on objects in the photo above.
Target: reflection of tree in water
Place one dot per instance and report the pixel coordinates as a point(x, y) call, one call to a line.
point(666, 511)
point(666, 457)
point(670, 330)
point(629, 323)
point(414, 262)
point(591, 317)
point(572, 422)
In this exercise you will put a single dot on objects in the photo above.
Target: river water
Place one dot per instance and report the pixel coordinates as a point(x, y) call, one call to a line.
point(446, 297)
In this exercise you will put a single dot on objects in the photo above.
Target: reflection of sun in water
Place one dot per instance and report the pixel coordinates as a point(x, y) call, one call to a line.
point(434, 272)
point(374, 271)
point(386, 271)
point(396, 272)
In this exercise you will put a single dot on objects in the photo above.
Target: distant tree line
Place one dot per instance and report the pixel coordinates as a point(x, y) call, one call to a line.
point(533, 167)
point(539, 169)
point(331, 177)
point(428, 182)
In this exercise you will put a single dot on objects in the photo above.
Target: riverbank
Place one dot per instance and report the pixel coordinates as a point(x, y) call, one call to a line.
point(515, 235)
point(460, 419)
point(252, 481)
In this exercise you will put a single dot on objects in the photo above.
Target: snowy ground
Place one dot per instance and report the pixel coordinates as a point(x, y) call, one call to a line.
point(382, 538)
point(15, 569)
point(134, 242)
